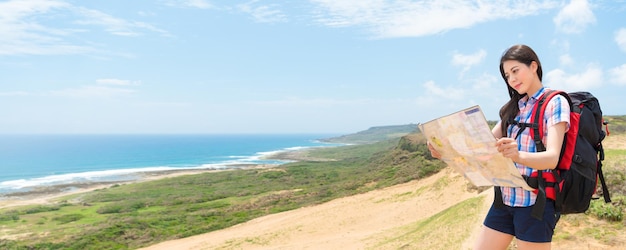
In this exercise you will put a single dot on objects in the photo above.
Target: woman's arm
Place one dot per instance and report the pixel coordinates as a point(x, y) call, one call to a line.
point(497, 130)
point(537, 160)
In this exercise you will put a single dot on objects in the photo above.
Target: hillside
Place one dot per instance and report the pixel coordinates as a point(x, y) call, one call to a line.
point(424, 214)
point(388, 194)
point(374, 134)
point(441, 211)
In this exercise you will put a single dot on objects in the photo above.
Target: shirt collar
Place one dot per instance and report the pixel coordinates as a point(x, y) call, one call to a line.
point(533, 99)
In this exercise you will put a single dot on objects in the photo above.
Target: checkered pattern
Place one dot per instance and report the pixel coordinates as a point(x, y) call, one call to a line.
point(556, 111)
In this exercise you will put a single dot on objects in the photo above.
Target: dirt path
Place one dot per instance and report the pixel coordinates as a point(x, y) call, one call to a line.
point(358, 222)
point(355, 222)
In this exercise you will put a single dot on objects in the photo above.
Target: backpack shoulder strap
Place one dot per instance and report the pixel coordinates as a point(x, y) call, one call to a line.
point(537, 133)
point(538, 116)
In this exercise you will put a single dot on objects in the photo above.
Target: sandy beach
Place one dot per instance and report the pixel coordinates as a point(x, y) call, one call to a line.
point(48, 194)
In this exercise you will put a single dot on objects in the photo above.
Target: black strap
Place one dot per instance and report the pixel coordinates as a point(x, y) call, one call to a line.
point(558, 204)
point(497, 198)
point(533, 182)
point(605, 189)
point(540, 203)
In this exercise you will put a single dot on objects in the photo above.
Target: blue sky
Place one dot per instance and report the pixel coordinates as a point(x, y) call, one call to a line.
point(319, 66)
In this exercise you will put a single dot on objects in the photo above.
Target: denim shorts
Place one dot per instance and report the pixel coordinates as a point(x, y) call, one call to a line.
point(517, 221)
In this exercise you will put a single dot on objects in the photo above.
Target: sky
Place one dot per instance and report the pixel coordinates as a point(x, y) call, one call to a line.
point(317, 66)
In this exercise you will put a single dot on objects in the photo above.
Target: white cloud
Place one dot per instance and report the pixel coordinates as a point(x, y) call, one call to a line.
point(117, 82)
point(92, 92)
point(46, 27)
point(14, 93)
point(87, 91)
point(620, 39)
point(113, 25)
point(21, 34)
point(574, 17)
point(263, 13)
point(467, 61)
point(420, 18)
point(485, 82)
point(618, 75)
point(200, 4)
point(566, 60)
point(448, 93)
point(591, 78)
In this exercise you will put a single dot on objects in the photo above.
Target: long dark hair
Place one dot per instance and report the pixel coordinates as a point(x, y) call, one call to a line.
point(525, 55)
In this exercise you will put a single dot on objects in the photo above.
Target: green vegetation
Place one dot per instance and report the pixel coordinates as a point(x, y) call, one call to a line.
point(609, 211)
point(616, 124)
point(441, 231)
point(141, 214)
point(375, 134)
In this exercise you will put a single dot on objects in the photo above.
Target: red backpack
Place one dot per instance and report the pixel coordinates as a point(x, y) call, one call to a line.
point(573, 182)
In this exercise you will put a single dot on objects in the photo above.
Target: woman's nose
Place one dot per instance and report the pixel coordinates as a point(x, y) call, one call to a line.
point(511, 79)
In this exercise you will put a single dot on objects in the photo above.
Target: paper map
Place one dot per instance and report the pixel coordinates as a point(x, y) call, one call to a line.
point(466, 143)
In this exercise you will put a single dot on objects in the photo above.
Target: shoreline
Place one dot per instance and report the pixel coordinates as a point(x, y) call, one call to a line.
point(47, 194)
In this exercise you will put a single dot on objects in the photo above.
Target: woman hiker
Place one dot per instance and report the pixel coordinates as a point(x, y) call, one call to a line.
point(521, 70)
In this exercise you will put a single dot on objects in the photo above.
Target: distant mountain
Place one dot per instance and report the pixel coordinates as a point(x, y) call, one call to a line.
point(375, 134)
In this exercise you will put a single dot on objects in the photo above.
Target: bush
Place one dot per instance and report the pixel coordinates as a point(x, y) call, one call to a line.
point(606, 211)
point(110, 209)
point(67, 218)
point(41, 209)
point(12, 215)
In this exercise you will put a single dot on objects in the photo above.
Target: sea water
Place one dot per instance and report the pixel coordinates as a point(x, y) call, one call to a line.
point(28, 161)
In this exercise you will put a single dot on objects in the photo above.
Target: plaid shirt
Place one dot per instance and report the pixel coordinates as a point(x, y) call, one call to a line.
point(557, 111)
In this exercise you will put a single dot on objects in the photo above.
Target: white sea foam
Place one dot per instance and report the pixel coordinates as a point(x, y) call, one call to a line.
point(92, 176)
point(119, 174)
point(232, 162)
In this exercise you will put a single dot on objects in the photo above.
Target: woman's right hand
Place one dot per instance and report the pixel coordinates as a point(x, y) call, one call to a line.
point(433, 152)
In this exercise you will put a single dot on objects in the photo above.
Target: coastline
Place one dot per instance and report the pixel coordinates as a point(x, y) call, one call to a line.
point(48, 194)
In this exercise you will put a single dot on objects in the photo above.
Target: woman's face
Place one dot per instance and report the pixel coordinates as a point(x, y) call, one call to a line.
point(520, 76)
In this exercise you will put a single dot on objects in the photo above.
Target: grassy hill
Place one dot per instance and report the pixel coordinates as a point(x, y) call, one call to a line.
point(135, 215)
point(375, 134)
point(142, 214)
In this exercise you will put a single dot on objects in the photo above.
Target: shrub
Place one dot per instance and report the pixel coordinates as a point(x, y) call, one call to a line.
point(67, 218)
point(12, 215)
point(110, 209)
point(606, 211)
point(40, 209)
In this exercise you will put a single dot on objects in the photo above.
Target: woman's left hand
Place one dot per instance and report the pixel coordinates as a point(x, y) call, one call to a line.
point(508, 148)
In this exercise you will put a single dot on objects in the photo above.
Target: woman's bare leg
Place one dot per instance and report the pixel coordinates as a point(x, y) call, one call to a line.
point(490, 239)
point(526, 245)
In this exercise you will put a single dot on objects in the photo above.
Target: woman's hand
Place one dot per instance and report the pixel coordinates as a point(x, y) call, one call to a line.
point(508, 148)
point(433, 152)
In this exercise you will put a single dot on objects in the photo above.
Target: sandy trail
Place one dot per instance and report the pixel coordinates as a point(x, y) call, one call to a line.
point(355, 222)
point(360, 221)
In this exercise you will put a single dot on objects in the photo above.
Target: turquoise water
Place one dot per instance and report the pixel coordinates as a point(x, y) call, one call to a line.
point(28, 161)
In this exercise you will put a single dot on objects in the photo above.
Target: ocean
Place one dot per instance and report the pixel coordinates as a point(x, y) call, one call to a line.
point(31, 161)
